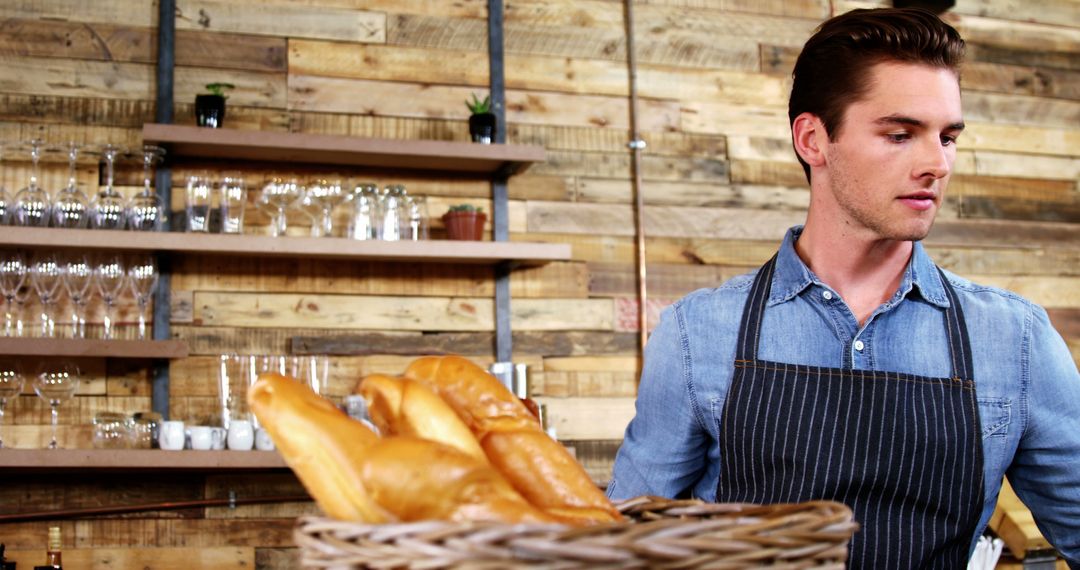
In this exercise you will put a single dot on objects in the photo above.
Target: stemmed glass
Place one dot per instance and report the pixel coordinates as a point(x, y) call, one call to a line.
point(323, 196)
point(78, 275)
point(56, 382)
point(5, 198)
point(145, 209)
point(70, 205)
point(12, 275)
point(32, 203)
point(11, 385)
point(107, 207)
point(278, 195)
point(109, 278)
point(46, 276)
point(143, 276)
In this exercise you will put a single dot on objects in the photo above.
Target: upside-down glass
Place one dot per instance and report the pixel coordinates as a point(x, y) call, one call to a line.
point(12, 276)
point(78, 277)
point(143, 276)
point(46, 276)
point(70, 207)
point(198, 201)
point(233, 195)
point(278, 195)
point(365, 211)
point(107, 209)
point(5, 197)
point(145, 209)
point(32, 203)
point(56, 382)
point(312, 370)
point(233, 381)
point(11, 385)
point(109, 279)
point(392, 208)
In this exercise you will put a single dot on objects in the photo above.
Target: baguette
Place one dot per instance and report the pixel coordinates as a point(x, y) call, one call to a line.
point(541, 469)
point(400, 406)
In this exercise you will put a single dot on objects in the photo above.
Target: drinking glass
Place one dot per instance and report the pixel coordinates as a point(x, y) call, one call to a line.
point(145, 209)
point(5, 197)
point(46, 276)
point(365, 217)
point(77, 277)
point(143, 276)
point(11, 385)
point(32, 203)
point(12, 275)
point(56, 382)
point(392, 210)
point(109, 278)
point(416, 221)
point(107, 209)
point(70, 206)
point(312, 370)
point(324, 195)
point(233, 201)
point(278, 195)
point(199, 200)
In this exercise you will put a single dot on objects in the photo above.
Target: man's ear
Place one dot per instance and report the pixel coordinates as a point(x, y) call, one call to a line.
point(809, 136)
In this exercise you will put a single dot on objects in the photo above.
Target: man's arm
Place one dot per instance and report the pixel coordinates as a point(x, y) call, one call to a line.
point(1046, 470)
point(664, 448)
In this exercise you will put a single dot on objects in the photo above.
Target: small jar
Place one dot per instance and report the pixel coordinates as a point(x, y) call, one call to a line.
point(144, 429)
point(110, 431)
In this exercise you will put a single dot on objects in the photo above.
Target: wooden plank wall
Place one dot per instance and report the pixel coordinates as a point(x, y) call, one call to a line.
point(721, 186)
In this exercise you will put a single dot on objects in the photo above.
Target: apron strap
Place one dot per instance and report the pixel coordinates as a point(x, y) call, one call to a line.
point(754, 311)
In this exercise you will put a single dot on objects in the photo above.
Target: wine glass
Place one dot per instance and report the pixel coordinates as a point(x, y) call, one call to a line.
point(143, 276)
point(5, 198)
point(32, 203)
point(70, 205)
point(77, 277)
point(109, 279)
point(107, 208)
point(12, 275)
point(11, 385)
point(56, 382)
point(145, 209)
point(324, 195)
point(46, 276)
point(278, 195)
point(416, 220)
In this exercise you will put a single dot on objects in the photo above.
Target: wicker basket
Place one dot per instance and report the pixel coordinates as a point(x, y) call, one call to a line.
point(664, 534)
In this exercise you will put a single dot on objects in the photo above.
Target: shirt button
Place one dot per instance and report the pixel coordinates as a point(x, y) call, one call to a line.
point(859, 345)
point(827, 295)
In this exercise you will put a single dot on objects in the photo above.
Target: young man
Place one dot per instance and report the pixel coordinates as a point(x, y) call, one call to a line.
point(850, 367)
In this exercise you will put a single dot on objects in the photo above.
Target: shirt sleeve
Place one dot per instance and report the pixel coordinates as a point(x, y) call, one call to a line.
point(1046, 469)
point(664, 448)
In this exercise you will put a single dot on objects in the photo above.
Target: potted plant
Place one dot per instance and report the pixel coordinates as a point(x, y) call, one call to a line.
point(482, 120)
point(210, 107)
point(465, 222)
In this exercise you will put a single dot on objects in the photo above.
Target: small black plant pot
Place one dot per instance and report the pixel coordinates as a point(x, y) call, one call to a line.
point(209, 111)
point(482, 128)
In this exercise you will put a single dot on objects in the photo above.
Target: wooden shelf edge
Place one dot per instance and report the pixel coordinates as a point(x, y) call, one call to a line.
point(75, 347)
point(432, 251)
point(187, 141)
point(138, 459)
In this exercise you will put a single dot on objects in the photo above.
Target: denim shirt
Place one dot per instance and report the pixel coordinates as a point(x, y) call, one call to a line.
point(1027, 385)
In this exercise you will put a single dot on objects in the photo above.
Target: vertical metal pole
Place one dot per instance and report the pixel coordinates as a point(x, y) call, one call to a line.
point(504, 349)
point(163, 182)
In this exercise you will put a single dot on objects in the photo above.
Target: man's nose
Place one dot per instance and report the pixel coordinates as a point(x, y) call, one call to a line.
point(935, 159)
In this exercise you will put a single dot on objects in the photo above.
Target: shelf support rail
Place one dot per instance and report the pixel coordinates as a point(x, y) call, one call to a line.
point(504, 349)
point(163, 113)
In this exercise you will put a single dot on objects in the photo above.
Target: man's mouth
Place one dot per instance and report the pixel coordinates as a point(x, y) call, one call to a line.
point(922, 200)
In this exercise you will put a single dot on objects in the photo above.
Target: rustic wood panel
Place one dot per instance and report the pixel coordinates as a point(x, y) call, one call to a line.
point(589, 418)
point(768, 173)
point(286, 20)
point(133, 12)
point(547, 343)
point(1053, 292)
point(1020, 109)
point(145, 558)
point(612, 165)
point(818, 9)
point(1013, 138)
point(615, 280)
point(1034, 58)
point(666, 221)
point(1016, 209)
point(1053, 12)
point(152, 533)
point(735, 119)
point(277, 558)
point(694, 194)
point(989, 163)
point(1022, 80)
point(1061, 36)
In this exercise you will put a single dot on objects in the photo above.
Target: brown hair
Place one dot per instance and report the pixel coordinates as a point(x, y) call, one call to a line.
point(833, 70)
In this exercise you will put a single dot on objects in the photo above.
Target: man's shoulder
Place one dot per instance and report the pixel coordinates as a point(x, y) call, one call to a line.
point(734, 290)
point(988, 297)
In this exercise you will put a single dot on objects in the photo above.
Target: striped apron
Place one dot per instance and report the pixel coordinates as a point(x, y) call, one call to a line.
point(903, 451)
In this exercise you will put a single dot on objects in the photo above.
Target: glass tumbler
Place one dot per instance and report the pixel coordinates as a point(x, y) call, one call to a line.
point(111, 431)
point(233, 196)
point(365, 218)
point(198, 200)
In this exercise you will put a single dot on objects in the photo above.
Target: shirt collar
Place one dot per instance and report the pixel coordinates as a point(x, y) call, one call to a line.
point(792, 276)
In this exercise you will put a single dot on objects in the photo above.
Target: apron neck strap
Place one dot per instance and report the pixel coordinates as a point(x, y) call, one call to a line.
point(754, 311)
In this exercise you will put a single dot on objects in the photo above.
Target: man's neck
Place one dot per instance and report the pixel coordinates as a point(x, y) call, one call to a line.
point(864, 272)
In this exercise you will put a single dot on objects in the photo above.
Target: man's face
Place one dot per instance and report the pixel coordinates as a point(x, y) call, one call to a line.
point(888, 168)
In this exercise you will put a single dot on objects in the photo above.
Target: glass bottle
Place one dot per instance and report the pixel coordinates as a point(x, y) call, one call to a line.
point(52, 555)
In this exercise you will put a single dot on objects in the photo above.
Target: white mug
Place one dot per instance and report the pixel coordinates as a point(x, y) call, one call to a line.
point(201, 437)
point(172, 435)
point(241, 437)
point(263, 441)
point(217, 438)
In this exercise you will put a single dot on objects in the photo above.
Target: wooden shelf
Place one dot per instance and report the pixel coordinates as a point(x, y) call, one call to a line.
point(74, 347)
point(138, 459)
point(433, 251)
point(267, 146)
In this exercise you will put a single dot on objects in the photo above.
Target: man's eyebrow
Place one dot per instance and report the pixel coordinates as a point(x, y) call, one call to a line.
point(902, 120)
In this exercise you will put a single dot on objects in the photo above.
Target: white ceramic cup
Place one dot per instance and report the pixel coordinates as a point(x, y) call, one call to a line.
point(241, 436)
point(217, 438)
point(201, 437)
point(172, 435)
point(263, 441)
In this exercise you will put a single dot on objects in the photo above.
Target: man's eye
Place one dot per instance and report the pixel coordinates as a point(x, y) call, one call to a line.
point(897, 137)
point(947, 140)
